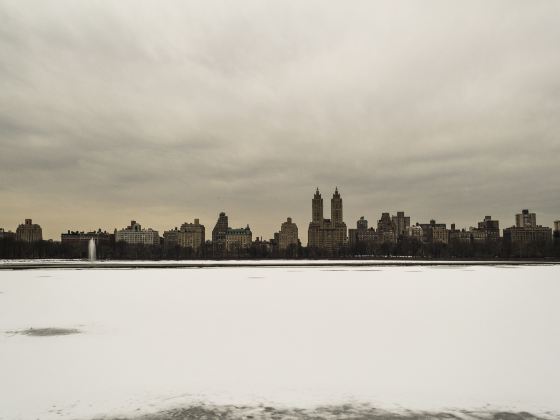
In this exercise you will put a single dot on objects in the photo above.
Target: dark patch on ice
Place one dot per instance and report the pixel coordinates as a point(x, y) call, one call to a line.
point(255, 277)
point(46, 332)
point(334, 412)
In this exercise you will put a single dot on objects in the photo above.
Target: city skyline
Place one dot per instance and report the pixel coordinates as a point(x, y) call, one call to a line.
point(118, 110)
point(316, 219)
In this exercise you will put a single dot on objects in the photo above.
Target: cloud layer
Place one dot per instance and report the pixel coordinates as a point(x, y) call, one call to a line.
point(167, 111)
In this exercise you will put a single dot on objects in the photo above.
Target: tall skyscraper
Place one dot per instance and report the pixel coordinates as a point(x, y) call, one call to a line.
point(327, 234)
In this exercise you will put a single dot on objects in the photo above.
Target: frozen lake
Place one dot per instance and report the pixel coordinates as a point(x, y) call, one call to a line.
point(441, 338)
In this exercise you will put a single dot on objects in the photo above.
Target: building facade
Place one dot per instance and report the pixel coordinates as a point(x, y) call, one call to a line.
point(192, 235)
point(237, 239)
point(386, 229)
point(83, 238)
point(288, 235)
point(524, 235)
point(326, 234)
point(6, 234)
point(525, 219)
point(361, 234)
point(526, 230)
point(171, 238)
point(434, 232)
point(219, 234)
point(490, 228)
point(415, 232)
point(134, 234)
point(29, 232)
point(401, 223)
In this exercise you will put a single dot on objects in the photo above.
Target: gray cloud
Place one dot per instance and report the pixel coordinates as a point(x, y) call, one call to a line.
point(166, 111)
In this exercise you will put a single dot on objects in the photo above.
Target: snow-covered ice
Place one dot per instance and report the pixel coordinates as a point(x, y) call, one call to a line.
point(418, 337)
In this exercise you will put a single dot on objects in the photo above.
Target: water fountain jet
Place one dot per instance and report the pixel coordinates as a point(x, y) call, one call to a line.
point(92, 252)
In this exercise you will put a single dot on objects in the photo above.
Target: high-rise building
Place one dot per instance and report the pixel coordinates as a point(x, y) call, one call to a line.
point(401, 223)
point(456, 235)
point(192, 235)
point(134, 234)
point(415, 232)
point(288, 234)
point(327, 234)
point(526, 230)
point(171, 238)
point(29, 232)
point(434, 232)
point(489, 227)
point(386, 228)
point(525, 219)
point(557, 226)
point(219, 234)
point(525, 235)
point(361, 234)
point(237, 239)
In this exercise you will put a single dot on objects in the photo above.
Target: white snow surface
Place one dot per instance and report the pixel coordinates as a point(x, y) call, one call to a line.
point(413, 337)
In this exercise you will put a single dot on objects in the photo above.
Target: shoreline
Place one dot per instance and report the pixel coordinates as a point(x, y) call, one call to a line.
point(122, 264)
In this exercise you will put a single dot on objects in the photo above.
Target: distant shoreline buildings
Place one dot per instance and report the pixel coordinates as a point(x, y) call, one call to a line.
point(393, 233)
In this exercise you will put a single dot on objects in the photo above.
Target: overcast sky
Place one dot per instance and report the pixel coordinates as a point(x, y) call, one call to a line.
point(166, 111)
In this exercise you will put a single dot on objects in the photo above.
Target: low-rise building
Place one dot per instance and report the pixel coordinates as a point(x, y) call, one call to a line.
point(83, 238)
point(29, 232)
point(134, 234)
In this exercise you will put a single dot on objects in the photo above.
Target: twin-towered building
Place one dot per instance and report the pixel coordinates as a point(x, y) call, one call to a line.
point(327, 234)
